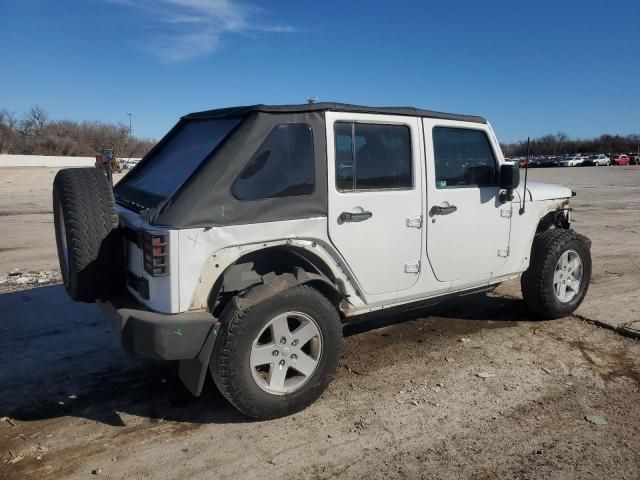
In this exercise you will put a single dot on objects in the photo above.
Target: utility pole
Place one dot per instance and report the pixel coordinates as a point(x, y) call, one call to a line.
point(130, 115)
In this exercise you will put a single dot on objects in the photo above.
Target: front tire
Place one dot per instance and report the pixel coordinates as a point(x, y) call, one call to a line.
point(559, 273)
point(277, 357)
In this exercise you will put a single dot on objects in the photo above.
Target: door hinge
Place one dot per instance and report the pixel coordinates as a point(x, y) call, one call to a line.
point(503, 252)
point(414, 222)
point(412, 267)
point(506, 212)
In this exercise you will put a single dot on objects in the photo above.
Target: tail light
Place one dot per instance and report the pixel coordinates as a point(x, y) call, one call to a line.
point(156, 253)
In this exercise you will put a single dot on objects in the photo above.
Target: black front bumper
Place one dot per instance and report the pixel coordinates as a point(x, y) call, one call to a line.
point(157, 335)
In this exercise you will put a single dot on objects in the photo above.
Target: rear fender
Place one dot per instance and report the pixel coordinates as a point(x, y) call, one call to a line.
point(218, 263)
point(193, 372)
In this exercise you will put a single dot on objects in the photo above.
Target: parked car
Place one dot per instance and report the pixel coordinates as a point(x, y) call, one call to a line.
point(597, 160)
point(621, 159)
point(634, 158)
point(572, 161)
point(550, 162)
point(236, 247)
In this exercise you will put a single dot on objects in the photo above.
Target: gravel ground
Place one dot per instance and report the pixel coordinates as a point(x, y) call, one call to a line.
point(472, 388)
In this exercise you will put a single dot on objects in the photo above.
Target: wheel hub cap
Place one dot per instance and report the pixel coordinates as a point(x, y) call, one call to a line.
point(567, 277)
point(286, 353)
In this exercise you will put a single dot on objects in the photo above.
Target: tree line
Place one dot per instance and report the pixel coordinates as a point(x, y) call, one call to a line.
point(33, 133)
point(561, 143)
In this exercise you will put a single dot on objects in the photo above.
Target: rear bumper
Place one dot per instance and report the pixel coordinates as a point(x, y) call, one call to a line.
point(157, 335)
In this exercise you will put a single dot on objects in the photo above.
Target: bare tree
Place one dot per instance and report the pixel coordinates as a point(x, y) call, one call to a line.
point(34, 121)
point(8, 122)
point(8, 118)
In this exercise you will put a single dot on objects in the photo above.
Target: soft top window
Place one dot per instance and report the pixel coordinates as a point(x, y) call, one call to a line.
point(172, 163)
point(283, 166)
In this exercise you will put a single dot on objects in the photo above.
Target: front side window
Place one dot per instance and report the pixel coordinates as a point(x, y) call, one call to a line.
point(283, 166)
point(463, 158)
point(372, 156)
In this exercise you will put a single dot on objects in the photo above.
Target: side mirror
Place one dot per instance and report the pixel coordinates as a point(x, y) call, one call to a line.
point(509, 176)
point(509, 180)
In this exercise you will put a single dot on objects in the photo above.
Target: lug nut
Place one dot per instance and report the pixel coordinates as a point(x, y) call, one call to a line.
point(294, 357)
point(283, 340)
point(281, 363)
point(275, 353)
point(294, 343)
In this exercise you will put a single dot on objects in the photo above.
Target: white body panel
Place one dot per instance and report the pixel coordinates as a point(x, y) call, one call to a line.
point(163, 291)
point(470, 243)
point(380, 249)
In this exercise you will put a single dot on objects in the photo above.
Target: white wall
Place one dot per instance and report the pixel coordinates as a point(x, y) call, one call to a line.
point(7, 160)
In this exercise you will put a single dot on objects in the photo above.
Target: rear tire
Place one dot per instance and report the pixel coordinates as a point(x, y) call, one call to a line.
point(247, 386)
point(87, 237)
point(545, 273)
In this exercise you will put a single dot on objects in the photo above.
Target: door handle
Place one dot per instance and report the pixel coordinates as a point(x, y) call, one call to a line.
point(355, 217)
point(439, 210)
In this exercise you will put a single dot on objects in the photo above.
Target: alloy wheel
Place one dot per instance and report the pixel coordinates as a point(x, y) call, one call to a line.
point(286, 353)
point(567, 277)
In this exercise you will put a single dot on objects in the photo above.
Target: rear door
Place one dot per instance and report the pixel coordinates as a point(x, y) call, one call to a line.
point(468, 227)
point(375, 198)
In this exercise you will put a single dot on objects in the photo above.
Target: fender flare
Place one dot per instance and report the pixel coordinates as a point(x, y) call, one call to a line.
point(193, 372)
point(283, 282)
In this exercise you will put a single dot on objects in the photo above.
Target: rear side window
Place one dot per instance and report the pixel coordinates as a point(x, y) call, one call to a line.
point(283, 166)
point(372, 156)
point(463, 158)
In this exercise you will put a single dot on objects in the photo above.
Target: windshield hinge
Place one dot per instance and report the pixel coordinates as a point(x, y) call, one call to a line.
point(414, 222)
point(503, 252)
point(412, 267)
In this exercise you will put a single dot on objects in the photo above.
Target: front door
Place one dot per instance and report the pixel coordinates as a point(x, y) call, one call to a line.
point(467, 226)
point(375, 198)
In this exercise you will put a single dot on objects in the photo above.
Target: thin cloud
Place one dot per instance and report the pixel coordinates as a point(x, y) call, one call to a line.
point(180, 30)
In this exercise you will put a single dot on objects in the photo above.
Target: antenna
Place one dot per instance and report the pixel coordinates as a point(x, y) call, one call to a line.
point(526, 170)
point(312, 99)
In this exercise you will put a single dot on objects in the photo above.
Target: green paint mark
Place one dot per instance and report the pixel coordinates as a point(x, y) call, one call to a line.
point(222, 211)
point(178, 332)
point(195, 241)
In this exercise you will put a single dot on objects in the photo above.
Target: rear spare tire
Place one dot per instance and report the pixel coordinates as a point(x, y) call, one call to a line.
point(87, 236)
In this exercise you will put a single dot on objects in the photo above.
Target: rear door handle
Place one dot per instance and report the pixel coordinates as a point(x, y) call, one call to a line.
point(355, 217)
point(438, 210)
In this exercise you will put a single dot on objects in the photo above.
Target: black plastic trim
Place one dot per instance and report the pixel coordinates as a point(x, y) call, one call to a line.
point(157, 335)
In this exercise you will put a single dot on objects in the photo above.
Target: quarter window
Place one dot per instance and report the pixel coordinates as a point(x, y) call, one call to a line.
point(463, 158)
point(372, 156)
point(283, 166)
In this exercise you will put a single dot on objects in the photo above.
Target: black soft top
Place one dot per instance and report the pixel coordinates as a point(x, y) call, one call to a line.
point(330, 106)
point(205, 199)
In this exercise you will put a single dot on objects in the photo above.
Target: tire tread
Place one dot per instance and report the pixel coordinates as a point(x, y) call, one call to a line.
point(547, 246)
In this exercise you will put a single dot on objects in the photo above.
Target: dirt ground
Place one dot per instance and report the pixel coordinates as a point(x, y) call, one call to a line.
point(474, 388)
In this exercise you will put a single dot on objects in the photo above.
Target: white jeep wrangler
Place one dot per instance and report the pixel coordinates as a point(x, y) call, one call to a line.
point(246, 238)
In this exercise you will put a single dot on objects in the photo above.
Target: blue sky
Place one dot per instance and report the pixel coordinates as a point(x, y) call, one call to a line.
point(531, 68)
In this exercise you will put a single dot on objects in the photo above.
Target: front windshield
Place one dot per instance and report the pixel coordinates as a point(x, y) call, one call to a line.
point(171, 164)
